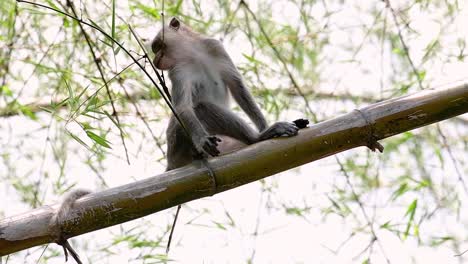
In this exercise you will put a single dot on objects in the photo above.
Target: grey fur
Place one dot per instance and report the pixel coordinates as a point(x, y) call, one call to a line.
point(66, 206)
point(59, 218)
point(203, 75)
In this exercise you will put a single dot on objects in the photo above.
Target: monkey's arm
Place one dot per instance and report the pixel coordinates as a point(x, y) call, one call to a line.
point(233, 80)
point(245, 100)
point(184, 107)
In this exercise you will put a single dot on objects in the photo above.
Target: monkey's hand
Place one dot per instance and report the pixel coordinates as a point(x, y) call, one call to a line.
point(209, 145)
point(279, 129)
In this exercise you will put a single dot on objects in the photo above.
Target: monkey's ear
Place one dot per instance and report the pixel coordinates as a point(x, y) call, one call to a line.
point(175, 23)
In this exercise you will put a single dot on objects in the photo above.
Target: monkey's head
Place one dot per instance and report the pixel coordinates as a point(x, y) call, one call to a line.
point(173, 44)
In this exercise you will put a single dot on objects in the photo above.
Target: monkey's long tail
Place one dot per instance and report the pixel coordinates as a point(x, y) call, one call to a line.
point(68, 248)
point(172, 229)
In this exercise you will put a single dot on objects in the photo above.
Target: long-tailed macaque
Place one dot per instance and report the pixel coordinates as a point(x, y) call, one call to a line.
point(202, 76)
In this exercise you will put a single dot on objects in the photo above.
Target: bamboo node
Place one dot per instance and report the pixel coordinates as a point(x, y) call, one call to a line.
point(371, 139)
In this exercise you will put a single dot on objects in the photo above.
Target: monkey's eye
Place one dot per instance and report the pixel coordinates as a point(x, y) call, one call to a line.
point(157, 45)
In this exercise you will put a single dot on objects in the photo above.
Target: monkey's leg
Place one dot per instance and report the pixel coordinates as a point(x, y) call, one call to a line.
point(220, 120)
point(179, 148)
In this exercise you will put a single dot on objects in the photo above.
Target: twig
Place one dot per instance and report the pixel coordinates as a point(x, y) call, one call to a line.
point(172, 229)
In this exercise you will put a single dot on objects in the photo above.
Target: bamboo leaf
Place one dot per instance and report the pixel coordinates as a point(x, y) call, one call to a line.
point(99, 140)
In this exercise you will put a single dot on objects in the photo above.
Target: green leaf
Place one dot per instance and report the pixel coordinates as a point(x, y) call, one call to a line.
point(6, 91)
point(51, 4)
point(437, 241)
point(219, 225)
point(251, 59)
point(422, 75)
point(99, 140)
point(93, 103)
point(110, 44)
point(412, 208)
point(398, 51)
point(177, 7)
point(113, 20)
point(400, 191)
point(385, 225)
point(411, 211)
point(26, 110)
point(153, 12)
point(86, 126)
point(431, 49)
point(78, 140)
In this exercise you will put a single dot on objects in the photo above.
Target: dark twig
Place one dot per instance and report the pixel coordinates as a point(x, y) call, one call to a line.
point(168, 247)
point(461, 254)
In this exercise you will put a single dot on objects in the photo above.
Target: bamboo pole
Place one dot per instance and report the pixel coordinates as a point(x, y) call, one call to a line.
point(131, 201)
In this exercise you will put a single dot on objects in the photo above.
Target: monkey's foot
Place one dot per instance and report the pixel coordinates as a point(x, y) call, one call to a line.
point(301, 123)
point(280, 129)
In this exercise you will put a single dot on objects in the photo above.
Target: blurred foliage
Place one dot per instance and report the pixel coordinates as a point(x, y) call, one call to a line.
point(59, 129)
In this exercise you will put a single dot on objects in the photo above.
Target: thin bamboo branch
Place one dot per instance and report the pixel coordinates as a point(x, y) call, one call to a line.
point(128, 202)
